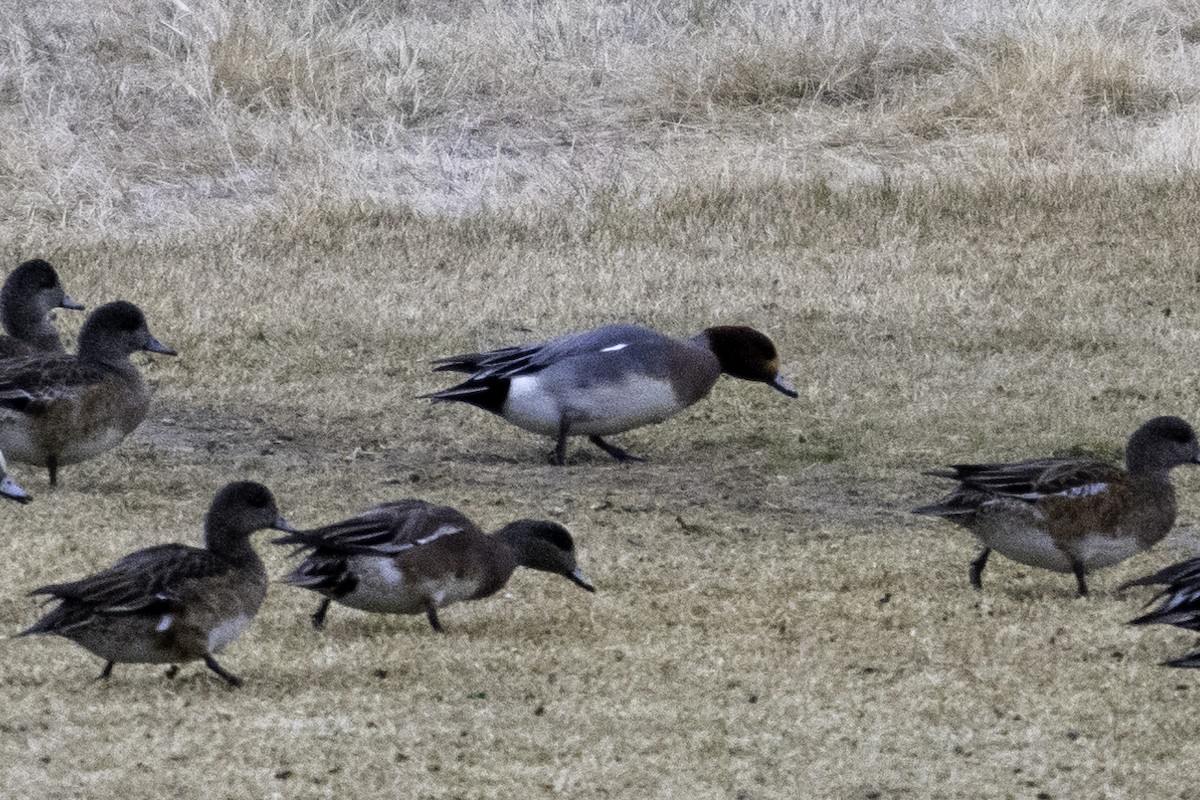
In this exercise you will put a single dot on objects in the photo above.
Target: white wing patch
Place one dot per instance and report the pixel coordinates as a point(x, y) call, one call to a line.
point(165, 623)
point(1086, 490)
point(225, 632)
point(614, 348)
point(443, 530)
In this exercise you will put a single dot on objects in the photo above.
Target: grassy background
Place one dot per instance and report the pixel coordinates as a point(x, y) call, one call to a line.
point(969, 228)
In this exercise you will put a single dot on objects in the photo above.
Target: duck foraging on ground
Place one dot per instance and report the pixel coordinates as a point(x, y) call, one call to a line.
point(172, 603)
point(1069, 514)
point(411, 557)
point(608, 380)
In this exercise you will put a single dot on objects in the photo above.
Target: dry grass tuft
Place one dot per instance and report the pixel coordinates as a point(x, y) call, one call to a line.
point(779, 73)
point(1041, 89)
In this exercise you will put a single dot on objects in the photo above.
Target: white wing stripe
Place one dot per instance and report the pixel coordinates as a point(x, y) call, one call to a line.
point(1086, 490)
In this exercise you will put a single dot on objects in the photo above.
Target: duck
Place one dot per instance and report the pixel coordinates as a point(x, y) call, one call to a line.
point(1179, 603)
point(412, 557)
point(29, 294)
point(58, 409)
point(1072, 515)
point(9, 488)
point(172, 603)
point(608, 380)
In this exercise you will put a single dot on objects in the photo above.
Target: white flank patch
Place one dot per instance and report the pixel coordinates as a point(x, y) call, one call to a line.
point(164, 624)
point(597, 409)
point(1097, 552)
point(1022, 540)
point(614, 348)
point(226, 632)
point(450, 591)
point(530, 406)
point(381, 587)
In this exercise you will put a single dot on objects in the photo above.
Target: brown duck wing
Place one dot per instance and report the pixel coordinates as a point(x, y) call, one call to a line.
point(139, 581)
point(385, 529)
point(32, 385)
point(1034, 479)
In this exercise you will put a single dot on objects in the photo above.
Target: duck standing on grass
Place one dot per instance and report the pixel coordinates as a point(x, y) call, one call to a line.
point(411, 557)
point(29, 294)
point(60, 409)
point(173, 603)
point(608, 380)
point(1068, 514)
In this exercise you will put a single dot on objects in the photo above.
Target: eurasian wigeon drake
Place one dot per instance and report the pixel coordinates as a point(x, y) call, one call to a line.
point(29, 294)
point(608, 380)
point(1068, 514)
point(10, 488)
point(60, 409)
point(1180, 603)
point(172, 603)
point(411, 557)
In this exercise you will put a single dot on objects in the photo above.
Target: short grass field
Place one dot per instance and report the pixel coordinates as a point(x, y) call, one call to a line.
point(970, 228)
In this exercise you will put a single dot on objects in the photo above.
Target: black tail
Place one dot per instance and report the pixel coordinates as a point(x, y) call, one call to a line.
point(468, 363)
point(490, 394)
point(1190, 661)
point(1174, 575)
point(329, 576)
point(55, 622)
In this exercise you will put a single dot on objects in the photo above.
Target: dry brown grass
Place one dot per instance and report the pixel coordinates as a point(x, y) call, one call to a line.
point(970, 228)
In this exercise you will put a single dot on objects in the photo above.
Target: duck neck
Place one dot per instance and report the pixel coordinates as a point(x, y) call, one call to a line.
point(1150, 474)
point(102, 350)
point(232, 545)
point(1140, 461)
point(29, 323)
point(703, 340)
point(512, 548)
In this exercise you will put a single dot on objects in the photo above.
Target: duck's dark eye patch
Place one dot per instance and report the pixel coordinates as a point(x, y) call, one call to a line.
point(1183, 435)
point(555, 535)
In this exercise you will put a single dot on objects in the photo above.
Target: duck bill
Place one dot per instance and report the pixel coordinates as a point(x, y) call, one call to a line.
point(155, 346)
point(10, 489)
point(577, 577)
point(784, 385)
point(68, 303)
point(282, 524)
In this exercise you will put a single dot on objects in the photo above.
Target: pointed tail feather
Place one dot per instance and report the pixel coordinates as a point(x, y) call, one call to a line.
point(490, 394)
point(1183, 572)
point(1190, 661)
